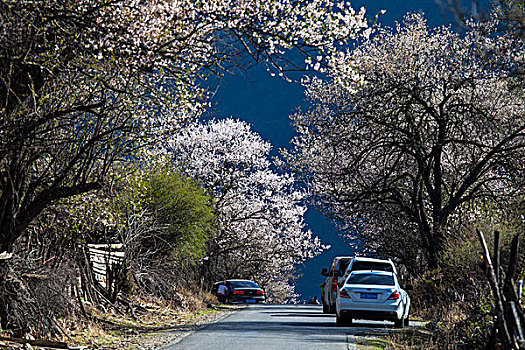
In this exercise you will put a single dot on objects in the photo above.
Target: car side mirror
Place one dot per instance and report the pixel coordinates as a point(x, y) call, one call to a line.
point(324, 271)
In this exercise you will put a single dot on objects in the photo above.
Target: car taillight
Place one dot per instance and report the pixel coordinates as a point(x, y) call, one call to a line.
point(394, 296)
point(334, 284)
point(344, 294)
point(238, 292)
point(260, 292)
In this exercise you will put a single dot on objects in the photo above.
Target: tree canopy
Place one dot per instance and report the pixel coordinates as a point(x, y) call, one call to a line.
point(261, 232)
point(85, 84)
point(413, 126)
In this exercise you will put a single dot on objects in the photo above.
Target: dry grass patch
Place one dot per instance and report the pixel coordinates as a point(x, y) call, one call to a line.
point(151, 323)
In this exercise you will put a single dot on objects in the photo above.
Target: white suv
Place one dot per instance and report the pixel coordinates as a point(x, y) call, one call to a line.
point(333, 281)
point(360, 263)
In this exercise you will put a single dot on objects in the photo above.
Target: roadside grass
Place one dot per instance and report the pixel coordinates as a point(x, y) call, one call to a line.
point(366, 343)
point(112, 330)
point(448, 327)
point(415, 337)
point(411, 338)
point(149, 324)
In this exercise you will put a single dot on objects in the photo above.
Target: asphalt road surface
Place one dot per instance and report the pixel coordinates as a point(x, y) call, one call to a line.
point(267, 327)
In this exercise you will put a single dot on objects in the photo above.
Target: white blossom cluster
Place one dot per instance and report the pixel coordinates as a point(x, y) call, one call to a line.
point(151, 57)
point(132, 71)
point(183, 36)
point(261, 227)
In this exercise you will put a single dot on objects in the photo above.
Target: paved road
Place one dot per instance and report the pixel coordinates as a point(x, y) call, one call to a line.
point(282, 327)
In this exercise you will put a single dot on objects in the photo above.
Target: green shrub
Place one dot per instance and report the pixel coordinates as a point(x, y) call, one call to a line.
point(181, 209)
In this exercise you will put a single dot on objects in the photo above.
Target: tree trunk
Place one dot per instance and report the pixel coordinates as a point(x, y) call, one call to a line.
point(434, 244)
point(3, 302)
point(437, 246)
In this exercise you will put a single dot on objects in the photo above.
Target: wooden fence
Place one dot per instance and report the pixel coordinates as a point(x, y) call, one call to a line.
point(106, 262)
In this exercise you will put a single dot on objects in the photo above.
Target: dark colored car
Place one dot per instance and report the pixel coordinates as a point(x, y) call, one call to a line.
point(242, 291)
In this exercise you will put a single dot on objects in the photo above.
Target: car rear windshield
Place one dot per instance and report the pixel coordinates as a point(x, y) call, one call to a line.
point(244, 284)
point(382, 280)
point(371, 265)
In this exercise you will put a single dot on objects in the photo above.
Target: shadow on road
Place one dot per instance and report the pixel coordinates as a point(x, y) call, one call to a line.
point(357, 324)
point(300, 314)
point(311, 332)
point(280, 327)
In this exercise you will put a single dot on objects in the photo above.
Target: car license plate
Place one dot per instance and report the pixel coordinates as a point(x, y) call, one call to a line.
point(250, 300)
point(368, 296)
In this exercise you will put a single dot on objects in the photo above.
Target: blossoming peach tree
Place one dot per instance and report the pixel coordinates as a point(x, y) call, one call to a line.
point(415, 126)
point(261, 232)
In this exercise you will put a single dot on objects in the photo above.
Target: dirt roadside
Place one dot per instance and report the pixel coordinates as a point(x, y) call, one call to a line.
point(157, 339)
point(150, 330)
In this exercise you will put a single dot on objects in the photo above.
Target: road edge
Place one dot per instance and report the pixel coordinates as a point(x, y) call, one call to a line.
point(197, 327)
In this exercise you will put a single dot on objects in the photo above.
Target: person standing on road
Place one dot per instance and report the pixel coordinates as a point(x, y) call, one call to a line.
point(222, 292)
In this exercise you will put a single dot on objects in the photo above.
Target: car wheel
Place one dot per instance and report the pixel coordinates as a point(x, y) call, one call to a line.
point(399, 323)
point(342, 321)
point(406, 322)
